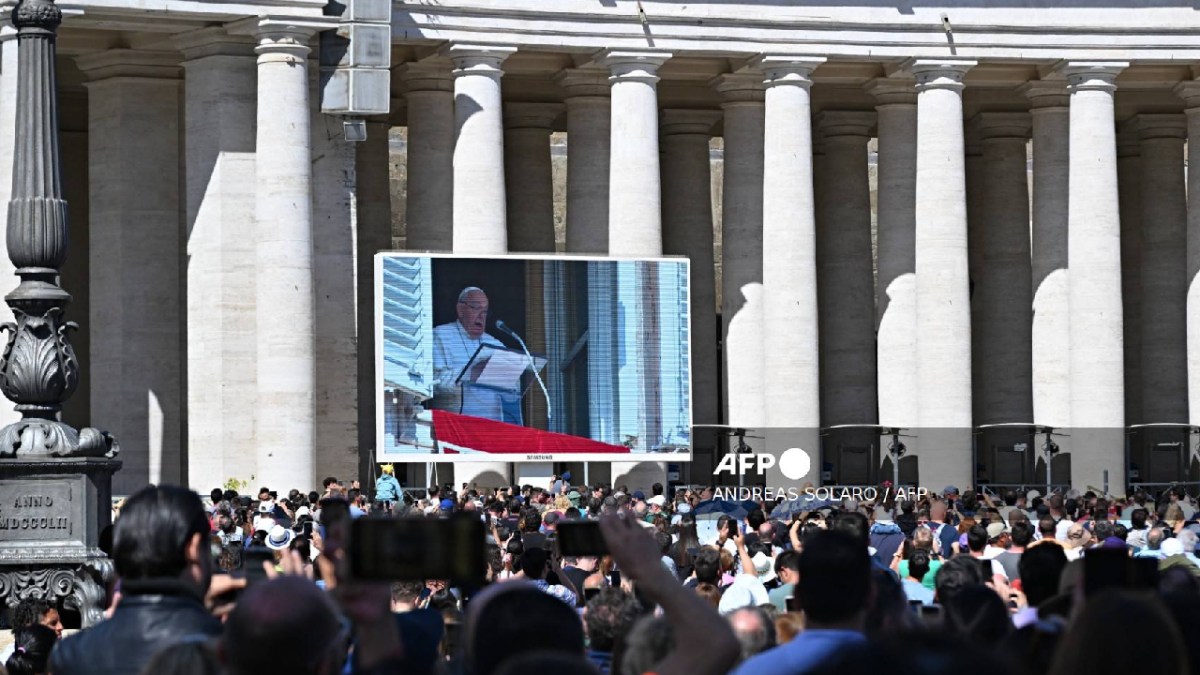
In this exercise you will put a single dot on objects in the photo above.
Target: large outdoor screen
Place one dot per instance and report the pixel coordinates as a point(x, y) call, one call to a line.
point(531, 359)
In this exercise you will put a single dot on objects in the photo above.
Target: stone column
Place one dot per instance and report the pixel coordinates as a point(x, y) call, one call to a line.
point(8, 124)
point(527, 175)
point(896, 307)
point(373, 200)
point(742, 250)
point(137, 364)
point(973, 158)
point(1094, 258)
point(845, 281)
point(285, 417)
point(688, 230)
point(635, 195)
point(1050, 348)
point(1190, 92)
point(1129, 178)
point(479, 193)
point(588, 130)
point(1163, 268)
point(790, 329)
point(219, 131)
point(429, 209)
point(943, 308)
point(1005, 284)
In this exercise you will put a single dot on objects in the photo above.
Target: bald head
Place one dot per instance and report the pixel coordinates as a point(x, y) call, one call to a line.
point(284, 625)
point(754, 629)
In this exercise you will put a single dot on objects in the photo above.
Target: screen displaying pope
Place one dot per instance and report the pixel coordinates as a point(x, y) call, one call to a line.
point(453, 346)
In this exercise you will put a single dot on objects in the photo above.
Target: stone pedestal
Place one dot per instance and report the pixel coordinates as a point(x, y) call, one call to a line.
point(53, 513)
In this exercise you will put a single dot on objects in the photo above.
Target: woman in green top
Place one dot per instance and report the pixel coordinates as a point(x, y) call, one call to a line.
point(922, 538)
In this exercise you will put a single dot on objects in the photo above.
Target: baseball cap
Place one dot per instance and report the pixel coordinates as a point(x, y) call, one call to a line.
point(995, 530)
point(566, 475)
point(639, 495)
point(950, 490)
point(657, 500)
point(683, 507)
point(447, 505)
point(1032, 495)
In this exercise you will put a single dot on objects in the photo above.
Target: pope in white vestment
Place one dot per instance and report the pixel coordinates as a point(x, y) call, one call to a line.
point(453, 346)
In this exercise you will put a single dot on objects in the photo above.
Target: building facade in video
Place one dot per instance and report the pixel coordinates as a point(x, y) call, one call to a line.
point(532, 359)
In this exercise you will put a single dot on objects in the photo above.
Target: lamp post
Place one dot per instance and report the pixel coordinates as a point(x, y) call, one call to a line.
point(55, 481)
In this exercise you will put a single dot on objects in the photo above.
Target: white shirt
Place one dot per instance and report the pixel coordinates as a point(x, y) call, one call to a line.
point(453, 348)
point(1063, 527)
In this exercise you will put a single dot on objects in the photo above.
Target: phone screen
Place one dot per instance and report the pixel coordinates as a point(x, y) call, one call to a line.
point(252, 563)
point(1113, 568)
point(614, 579)
point(581, 538)
point(399, 549)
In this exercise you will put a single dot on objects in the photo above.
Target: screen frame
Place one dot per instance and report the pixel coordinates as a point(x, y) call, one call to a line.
point(437, 455)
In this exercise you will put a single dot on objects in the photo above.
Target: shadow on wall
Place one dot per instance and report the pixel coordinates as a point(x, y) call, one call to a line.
point(640, 476)
point(489, 480)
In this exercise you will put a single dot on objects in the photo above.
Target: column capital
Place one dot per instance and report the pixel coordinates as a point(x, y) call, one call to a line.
point(433, 74)
point(1155, 126)
point(633, 65)
point(1046, 94)
point(939, 73)
point(519, 115)
point(1004, 125)
point(580, 82)
point(129, 63)
point(851, 123)
point(898, 90)
point(213, 41)
point(1092, 75)
point(1189, 91)
point(475, 59)
point(734, 88)
point(680, 121)
point(783, 69)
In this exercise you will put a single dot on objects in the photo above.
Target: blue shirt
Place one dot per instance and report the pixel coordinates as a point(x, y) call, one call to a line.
point(915, 590)
point(803, 654)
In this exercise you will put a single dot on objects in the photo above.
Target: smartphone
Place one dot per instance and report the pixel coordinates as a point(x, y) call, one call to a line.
point(306, 529)
point(589, 593)
point(614, 578)
point(985, 568)
point(1113, 568)
point(252, 563)
point(581, 538)
point(411, 549)
point(931, 613)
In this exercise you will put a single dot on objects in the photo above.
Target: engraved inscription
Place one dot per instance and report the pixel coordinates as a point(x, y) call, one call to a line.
point(35, 510)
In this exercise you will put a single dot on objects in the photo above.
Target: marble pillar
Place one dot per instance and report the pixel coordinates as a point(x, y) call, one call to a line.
point(429, 209)
point(742, 249)
point(1050, 346)
point(790, 328)
point(1190, 92)
point(373, 230)
point(688, 231)
point(1005, 283)
point(943, 308)
point(635, 194)
point(973, 159)
point(479, 192)
point(285, 416)
point(1094, 258)
point(1129, 172)
point(219, 131)
point(896, 308)
point(137, 365)
point(588, 101)
point(1163, 268)
point(845, 281)
point(335, 225)
point(527, 175)
point(480, 213)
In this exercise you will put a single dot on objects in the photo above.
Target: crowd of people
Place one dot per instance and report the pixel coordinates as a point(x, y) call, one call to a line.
point(1019, 583)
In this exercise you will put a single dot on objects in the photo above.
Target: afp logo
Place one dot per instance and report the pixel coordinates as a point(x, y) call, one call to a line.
point(793, 463)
